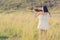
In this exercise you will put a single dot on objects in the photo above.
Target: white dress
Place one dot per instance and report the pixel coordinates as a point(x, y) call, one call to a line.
point(43, 22)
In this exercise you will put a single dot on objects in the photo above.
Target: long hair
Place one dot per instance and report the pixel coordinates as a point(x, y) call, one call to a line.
point(45, 9)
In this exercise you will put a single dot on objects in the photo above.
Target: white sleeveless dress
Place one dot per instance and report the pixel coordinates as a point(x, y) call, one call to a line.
point(43, 22)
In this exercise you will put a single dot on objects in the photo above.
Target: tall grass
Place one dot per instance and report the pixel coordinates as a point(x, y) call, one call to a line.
point(23, 26)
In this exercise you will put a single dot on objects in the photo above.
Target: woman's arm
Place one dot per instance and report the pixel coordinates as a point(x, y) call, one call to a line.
point(38, 11)
point(36, 14)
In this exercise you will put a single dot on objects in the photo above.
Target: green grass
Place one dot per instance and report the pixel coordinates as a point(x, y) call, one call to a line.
point(22, 25)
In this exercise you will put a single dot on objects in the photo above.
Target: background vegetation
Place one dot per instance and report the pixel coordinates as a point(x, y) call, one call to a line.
point(19, 23)
point(17, 4)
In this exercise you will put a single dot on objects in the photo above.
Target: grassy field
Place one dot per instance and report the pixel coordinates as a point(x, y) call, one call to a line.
point(22, 25)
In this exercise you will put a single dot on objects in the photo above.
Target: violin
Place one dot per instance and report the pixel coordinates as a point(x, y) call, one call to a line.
point(38, 10)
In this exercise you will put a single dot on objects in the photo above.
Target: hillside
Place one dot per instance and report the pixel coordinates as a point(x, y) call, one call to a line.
point(17, 4)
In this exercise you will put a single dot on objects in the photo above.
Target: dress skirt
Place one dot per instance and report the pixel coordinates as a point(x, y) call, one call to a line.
point(43, 26)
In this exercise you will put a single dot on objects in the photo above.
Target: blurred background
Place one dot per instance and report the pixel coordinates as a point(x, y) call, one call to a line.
point(17, 20)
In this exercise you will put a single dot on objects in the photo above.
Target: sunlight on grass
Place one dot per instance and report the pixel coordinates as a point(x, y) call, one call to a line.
point(23, 26)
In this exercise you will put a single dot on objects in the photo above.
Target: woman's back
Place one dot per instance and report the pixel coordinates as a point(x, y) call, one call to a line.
point(43, 18)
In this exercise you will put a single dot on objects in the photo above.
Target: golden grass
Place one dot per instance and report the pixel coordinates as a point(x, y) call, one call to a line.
point(23, 26)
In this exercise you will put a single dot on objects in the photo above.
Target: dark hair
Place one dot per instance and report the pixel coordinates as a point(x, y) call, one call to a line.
point(45, 9)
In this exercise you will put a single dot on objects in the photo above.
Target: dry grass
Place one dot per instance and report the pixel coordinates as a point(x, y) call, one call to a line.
point(23, 26)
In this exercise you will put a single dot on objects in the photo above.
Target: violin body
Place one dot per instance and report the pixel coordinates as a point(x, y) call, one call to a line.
point(37, 10)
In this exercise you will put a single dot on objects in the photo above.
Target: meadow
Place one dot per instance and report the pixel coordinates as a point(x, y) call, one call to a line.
point(22, 25)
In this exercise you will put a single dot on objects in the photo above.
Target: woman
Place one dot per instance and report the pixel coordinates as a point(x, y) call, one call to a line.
point(43, 25)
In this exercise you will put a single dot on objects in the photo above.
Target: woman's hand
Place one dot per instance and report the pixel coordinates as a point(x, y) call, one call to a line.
point(35, 15)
